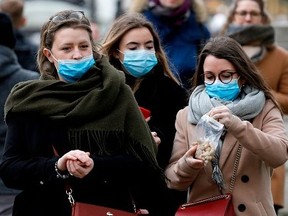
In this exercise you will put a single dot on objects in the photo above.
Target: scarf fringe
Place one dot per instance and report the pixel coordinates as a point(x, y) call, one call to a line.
point(107, 143)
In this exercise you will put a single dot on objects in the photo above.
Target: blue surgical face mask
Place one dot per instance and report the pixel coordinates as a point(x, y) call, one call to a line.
point(225, 92)
point(139, 62)
point(72, 70)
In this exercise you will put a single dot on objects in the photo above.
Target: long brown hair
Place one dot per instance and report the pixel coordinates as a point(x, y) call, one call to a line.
point(224, 47)
point(124, 24)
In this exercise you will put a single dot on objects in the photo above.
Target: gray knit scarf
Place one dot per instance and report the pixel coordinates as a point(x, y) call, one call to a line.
point(248, 105)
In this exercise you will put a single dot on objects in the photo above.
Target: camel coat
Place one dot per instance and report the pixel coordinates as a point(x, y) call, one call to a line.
point(274, 68)
point(265, 146)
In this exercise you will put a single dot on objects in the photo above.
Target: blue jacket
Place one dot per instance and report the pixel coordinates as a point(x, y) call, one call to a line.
point(181, 43)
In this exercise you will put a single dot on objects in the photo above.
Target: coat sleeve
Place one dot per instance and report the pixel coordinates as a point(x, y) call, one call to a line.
point(180, 175)
point(266, 136)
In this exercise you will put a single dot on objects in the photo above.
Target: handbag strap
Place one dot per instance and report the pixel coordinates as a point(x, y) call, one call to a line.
point(68, 190)
point(235, 168)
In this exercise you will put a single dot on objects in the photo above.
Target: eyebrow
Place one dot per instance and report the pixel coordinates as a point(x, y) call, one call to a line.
point(227, 70)
point(136, 43)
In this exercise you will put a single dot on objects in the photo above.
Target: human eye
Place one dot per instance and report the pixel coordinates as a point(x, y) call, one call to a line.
point(84, 46)
point(132, 48)
point(66, 48)
point(242, 13)
point(226, 75)
point(255, 13)
point(209, 78)
point(150, 46)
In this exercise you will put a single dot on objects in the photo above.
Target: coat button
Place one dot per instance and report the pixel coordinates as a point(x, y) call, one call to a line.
point(244, 178)
point(241, 207)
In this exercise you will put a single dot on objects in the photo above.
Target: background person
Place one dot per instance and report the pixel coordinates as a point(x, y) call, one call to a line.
point(81, 107)
point(228, 87)
point(249, 23)
point(182, 30)
point(10, 74)
point(133, 46)
point(25, 50)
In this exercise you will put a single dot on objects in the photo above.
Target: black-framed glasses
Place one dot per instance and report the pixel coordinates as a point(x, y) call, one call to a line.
point(245, 13)
point(72, 15)
point(224, 77)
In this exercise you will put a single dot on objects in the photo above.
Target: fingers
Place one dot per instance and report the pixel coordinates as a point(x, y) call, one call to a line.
point(78, 169)
point(78, 163)
point(191, 152)
point(156, 138)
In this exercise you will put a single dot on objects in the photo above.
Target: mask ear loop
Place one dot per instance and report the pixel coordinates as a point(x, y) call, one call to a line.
point(123, 57)
point(55, 60)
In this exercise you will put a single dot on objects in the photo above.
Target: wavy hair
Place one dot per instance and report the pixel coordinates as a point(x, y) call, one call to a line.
point(47, 37)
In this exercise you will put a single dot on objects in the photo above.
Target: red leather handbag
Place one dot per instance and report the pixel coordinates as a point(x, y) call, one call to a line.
point(85, 209)
point(220, 205)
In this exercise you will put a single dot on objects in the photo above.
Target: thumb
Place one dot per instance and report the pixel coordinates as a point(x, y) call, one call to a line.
point(191, 151)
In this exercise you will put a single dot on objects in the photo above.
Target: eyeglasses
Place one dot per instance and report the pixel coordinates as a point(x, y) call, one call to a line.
point(72, 15)
point(225, 77)
point(245, 13)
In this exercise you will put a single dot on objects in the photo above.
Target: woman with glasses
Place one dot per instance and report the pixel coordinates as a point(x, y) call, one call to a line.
point(250, 25)
point(78, 125)
point(133, 46)
point(228, 88)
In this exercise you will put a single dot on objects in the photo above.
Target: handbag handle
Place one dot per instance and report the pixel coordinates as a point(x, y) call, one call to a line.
point(235, 168)
point(69, 190)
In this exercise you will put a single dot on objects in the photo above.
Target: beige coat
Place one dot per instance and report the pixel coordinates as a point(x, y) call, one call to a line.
point(265, 146)
point(274, 68)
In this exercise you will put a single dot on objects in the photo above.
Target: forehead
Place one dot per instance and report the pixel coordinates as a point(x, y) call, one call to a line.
point(247, 5)
point(216, 65)
point(140, 35)
point(71, 36)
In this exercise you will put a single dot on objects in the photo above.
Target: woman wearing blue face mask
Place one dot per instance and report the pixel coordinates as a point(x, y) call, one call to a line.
point(228, 88)
point(79, 124)
point(133, 46)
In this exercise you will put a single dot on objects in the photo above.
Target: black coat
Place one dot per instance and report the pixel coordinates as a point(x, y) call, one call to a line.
point(164, 98)
point(10, 73)
point(110, 182)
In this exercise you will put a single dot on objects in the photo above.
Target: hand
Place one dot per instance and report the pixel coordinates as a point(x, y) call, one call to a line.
point(190, 159)
point(222, 114)
point(78, 163)
point(156, 138)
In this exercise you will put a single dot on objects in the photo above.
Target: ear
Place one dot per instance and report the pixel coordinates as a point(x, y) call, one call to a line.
point(116, 54)
point(48, 55)
point(23, 22)
point(242, 82)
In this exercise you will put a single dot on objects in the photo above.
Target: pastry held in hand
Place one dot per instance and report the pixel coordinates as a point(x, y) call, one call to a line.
point(208, 133)
point(205, 150)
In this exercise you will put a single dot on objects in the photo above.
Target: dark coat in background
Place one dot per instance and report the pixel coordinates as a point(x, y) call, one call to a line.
point(10, 73)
